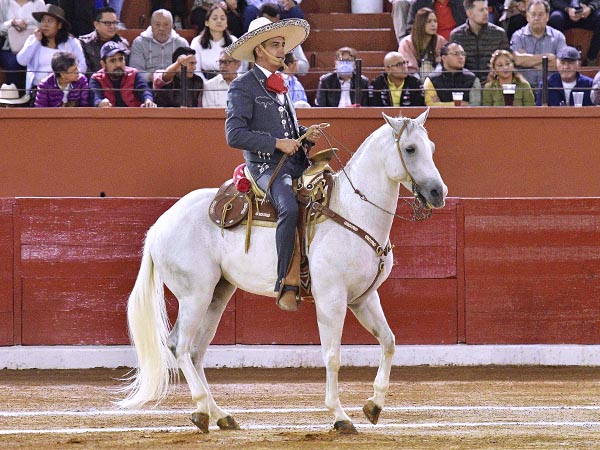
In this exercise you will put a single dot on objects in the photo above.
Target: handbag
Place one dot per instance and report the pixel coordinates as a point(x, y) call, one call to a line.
point(16, 39)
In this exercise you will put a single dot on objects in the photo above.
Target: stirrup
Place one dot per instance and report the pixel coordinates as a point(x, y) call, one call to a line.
point(289, 305)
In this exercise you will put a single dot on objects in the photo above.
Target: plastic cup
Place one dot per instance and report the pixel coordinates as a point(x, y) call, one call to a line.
point(457, 97)
point(578, 99)
point(508, 90)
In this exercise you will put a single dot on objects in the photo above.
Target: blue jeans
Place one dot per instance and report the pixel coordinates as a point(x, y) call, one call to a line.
point(15, 73)
point(117, 5)
point(561, 21)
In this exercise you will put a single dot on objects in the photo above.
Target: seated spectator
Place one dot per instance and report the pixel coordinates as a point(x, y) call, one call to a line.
point(595, 94)
point(578, 14)
point(536, 40)
point(400, 9)
point(295, 89)
point(453, 77)
point(561, 85)
point(200, 9)
point(65, 87)
point(105, 24)
point(178, 12)
point(211, 41)
point(289, 9)
point(10, 97)
point(395, 87)
point(152, 50)
point(16, 17)
point(116, 85)
point(503, 72)
point(51, 36)
point(215, 89)
point(338, 89)
point(479, 38)
point(422, 47)
point(449, 13)
point(167, 83)
point(272, 12)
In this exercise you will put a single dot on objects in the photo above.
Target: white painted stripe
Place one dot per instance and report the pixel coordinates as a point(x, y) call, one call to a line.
point(166, 412)
point(280, 356)
point(266, 427)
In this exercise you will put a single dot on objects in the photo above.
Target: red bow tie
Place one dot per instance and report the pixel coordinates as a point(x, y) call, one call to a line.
point(276, 84)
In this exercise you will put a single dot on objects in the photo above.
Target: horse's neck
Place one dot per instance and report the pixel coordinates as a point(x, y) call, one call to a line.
point(367, 174)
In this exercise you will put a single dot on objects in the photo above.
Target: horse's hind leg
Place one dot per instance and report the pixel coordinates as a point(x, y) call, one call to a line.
point(192, 309)
point(221, 297)
point(370, 314)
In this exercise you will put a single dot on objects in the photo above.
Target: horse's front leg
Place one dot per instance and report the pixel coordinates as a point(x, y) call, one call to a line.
point(370, 314)
point(331, 312)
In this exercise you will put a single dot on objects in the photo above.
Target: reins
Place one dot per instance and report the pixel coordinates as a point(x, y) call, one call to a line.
point(420, 211)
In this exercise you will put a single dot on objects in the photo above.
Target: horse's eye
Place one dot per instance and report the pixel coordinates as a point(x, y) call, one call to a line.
point(410, 149)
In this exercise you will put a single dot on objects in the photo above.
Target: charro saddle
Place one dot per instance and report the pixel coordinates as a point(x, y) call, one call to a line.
point(240, 201)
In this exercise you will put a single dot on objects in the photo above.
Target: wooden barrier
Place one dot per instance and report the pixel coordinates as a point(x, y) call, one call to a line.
point(481, 271)
point(137, 152)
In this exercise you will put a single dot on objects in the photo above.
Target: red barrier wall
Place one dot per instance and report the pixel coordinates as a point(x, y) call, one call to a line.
point(481, 271)
point(481, 152)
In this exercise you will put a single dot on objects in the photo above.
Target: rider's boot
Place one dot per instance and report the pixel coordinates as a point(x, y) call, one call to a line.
point(289, 293)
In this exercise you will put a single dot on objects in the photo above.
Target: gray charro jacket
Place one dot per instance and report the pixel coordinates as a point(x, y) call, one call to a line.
point(256, 118)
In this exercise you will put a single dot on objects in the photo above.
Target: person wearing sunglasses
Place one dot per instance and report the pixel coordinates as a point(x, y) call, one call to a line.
point(395, 86)
point(106, 24)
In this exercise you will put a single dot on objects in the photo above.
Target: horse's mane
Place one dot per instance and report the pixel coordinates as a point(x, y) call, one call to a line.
point(380, 133)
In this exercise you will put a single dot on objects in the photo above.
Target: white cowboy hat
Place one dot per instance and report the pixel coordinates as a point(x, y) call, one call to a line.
point(295, 32)
point(9, 94)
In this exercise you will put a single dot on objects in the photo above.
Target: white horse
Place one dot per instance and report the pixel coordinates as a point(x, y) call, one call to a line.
point(186, 251)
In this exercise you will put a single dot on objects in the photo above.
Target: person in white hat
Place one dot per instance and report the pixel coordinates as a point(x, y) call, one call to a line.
point(9, 97)
point(261, 120)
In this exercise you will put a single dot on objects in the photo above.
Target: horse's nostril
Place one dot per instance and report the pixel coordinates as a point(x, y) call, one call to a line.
point(434, 193)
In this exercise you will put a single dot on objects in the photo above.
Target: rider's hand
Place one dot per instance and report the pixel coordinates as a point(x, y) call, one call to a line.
point(287, 146)
point(313, 134)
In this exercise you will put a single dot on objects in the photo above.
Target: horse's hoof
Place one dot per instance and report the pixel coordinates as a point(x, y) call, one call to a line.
point(372, 412)
point(344, 427)
point(201, 421)
point(227, 423)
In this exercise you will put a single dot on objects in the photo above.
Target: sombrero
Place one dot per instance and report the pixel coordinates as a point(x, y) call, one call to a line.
point(53, 11)
point(295, 31)
point(9, 95)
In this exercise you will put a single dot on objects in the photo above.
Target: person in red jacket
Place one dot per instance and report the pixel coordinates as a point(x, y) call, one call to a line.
point(116, 84)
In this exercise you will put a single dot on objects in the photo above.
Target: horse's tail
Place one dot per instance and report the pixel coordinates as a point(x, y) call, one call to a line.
point(148, 331)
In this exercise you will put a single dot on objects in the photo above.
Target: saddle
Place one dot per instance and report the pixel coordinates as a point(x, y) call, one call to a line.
point(240, 201)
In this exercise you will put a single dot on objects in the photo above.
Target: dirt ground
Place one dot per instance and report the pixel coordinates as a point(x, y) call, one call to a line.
point(427, 408)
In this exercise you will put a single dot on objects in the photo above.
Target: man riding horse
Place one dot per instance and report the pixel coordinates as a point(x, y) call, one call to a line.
point(261, 121)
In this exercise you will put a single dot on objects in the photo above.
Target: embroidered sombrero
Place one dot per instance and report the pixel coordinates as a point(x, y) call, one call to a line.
point(295, 31)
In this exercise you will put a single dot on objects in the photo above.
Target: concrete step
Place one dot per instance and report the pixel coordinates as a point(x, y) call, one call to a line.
point(361, 39)
point(325, 6)
point(339, 20)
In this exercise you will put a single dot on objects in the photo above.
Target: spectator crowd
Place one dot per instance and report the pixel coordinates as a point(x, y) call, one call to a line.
point(450, 53)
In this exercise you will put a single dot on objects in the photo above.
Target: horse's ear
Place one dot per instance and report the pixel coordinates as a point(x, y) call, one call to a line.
point(423, 117)
point(388, 119)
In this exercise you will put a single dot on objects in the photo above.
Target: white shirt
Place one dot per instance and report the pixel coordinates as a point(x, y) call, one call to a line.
point(215, 93)
point(345, 97)
point(568, 87)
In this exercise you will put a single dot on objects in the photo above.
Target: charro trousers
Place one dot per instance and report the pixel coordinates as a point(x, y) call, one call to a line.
point(281, 195)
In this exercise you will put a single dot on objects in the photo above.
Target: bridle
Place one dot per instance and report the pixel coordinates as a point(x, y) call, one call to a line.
point(420, 210)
